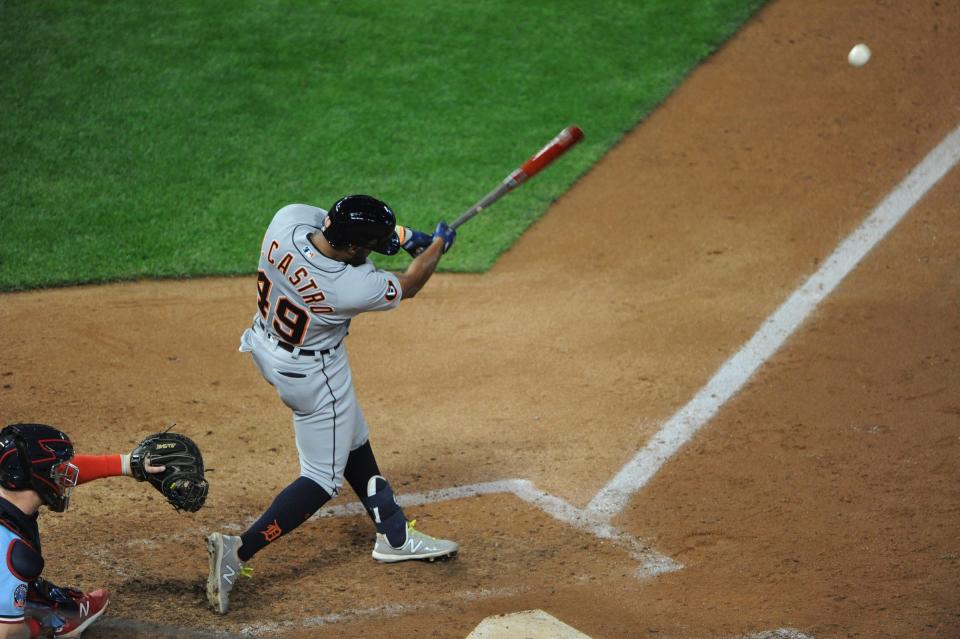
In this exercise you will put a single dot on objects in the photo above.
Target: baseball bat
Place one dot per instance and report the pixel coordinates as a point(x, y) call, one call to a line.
point(541, 160)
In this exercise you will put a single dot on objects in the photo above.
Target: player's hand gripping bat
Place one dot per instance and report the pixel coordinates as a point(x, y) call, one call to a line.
point(543, 158)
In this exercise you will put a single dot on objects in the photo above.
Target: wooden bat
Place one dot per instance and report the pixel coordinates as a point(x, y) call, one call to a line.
point(543, 158)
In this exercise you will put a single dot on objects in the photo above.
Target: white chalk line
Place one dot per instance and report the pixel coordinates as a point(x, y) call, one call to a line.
point(736, 371)
point(651, 562)
point(376, 612)
point(157, 630)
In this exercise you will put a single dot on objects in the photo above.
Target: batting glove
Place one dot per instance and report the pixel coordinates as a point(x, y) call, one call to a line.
point(448, 234)
point(415, 242)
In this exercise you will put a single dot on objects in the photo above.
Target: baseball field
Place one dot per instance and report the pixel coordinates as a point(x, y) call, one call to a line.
point(711, 392)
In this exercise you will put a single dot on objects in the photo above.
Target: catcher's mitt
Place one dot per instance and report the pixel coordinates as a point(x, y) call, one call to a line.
point(182, 481)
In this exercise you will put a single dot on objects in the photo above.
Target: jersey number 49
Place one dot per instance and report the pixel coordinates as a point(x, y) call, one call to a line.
point(290, 321)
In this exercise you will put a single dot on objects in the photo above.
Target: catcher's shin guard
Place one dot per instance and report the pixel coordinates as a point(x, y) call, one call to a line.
point(387, 515)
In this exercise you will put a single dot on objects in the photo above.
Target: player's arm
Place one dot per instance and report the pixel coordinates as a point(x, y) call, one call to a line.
point(99, 466)
point(424, 265)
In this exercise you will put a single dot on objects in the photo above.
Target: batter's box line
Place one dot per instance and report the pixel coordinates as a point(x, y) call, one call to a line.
point(271, 628)
point(652, 563)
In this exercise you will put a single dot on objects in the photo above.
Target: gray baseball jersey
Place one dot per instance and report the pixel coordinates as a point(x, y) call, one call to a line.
point(305, 302)
point(307, 299)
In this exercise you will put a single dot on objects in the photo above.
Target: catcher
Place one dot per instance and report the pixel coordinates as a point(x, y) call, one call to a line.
point(38, 467)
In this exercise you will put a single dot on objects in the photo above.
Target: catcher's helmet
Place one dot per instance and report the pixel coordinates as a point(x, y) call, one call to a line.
point(364, 221)
point(37, 457)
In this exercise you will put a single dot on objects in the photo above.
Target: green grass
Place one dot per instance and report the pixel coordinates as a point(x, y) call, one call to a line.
point(156, 139)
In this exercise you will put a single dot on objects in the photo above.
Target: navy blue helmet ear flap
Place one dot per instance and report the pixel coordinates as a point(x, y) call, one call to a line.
point(23, 455)
point(362, 221)
point(14, 459)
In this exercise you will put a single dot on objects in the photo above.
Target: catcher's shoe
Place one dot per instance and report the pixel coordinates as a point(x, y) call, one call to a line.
point(91, 605)
point(225, 567)
point(417, 546)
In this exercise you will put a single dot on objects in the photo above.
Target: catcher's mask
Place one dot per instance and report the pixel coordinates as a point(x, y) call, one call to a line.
point(37, 457)
point(364, 221)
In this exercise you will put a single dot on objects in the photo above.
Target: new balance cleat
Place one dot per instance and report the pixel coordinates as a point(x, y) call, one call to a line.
point(417, 546)
point(225, 568)
point(91, 606)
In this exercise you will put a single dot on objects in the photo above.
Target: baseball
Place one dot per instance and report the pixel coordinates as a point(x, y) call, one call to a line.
point(859, 55)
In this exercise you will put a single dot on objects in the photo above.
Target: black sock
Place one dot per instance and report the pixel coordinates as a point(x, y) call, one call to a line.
point(361, 466)
point(294, 505)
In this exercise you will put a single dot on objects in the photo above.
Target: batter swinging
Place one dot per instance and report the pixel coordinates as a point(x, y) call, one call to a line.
point(313, 278)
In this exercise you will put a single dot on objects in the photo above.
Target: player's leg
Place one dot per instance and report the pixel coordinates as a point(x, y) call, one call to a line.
point(228, 554)
point(375, 493)
point(397, 538)
point(316, 423)
point(294, 505)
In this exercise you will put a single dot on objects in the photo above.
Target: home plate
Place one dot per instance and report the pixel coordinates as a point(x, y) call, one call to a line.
point(528, 624)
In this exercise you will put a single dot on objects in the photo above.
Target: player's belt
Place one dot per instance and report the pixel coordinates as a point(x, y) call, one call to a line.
point(290, 348)
point(306, 351)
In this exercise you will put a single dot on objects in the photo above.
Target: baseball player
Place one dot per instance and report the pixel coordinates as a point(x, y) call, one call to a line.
point(38, 468)
point(314, 276)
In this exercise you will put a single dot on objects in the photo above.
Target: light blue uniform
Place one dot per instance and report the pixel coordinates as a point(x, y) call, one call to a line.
point(13, 590)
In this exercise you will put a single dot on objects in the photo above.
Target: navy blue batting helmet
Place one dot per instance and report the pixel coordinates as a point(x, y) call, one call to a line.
point(364, 221)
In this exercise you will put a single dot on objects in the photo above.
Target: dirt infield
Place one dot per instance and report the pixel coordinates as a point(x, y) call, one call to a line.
point(825, 497)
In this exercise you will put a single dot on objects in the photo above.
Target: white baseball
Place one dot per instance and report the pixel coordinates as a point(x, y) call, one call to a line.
point(859, 55)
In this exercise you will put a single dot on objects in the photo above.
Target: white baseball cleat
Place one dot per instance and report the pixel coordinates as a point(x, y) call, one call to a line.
point(225, 568)
point(417, 546)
